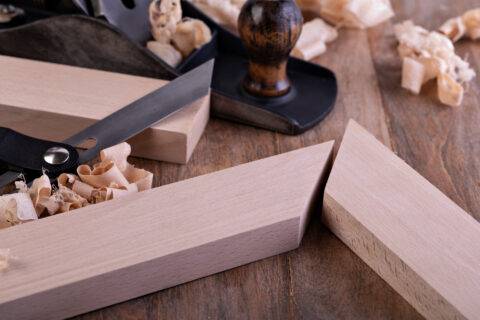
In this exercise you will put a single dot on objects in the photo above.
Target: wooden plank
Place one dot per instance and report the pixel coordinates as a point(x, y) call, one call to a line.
point(440, 142)
point(418, 240)
point(113, 251)
point(52, 101)
point(324, 278)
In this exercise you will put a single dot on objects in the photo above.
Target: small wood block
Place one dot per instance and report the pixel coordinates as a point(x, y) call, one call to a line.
point(53, 101)
point(113, 251)
point(420, 242)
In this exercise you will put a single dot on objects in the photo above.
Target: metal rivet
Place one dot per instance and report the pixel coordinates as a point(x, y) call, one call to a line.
point(56, 155)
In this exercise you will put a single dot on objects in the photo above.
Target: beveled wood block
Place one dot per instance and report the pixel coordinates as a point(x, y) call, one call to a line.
point(418, 240)
point(53, 101)
point(114, 251)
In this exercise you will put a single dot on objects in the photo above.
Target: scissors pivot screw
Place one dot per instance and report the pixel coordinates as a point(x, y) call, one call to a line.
point(56, 155)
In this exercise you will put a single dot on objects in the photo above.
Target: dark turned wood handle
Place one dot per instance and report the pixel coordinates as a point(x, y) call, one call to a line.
point(269, 30)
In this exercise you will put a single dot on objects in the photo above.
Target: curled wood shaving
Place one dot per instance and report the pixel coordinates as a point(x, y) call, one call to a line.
point(450, 92)
point(175, 38)
point(453, 28)
point(164, 16)
point(466, 25)
point(40, 190)
point(113, 177)
point(436, 55)
point(191, 34)
point(413, 73)
point(15, 209)
point(312, 42)
point(350, 13)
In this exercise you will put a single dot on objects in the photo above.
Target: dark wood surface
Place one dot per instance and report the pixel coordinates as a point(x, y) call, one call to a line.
point(323, 279)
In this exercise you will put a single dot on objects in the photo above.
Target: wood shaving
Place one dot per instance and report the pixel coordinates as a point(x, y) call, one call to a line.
point(175, 38)
point(164, 16)
point(223, 12)
point(312, 42)
point(436, 55)
point(191, 34)
point(350, 13)
point(15, 209)
point(413, 73)
point(113, 177)
point(466, 25)
point(450, 92)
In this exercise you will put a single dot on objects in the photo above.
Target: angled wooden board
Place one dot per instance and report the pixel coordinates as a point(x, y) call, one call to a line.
point(52, 101)
point(113, 251)
point(418, 240)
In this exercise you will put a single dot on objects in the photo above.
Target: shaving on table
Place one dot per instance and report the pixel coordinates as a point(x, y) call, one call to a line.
point(466, 25)
point(175, 38)
point(431, 56)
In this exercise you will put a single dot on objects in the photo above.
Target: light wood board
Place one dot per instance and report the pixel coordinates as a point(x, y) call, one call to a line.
point(113, 251)
point(52, 101)
point(418, 240)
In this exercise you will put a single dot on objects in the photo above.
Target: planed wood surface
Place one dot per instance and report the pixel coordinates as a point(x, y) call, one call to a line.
point(53, 102)
point(113, 251)
point(323, 279)
point(416, 238)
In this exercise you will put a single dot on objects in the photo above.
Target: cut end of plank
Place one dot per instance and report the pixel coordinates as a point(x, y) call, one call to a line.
point(117, 250)
point(420, 242)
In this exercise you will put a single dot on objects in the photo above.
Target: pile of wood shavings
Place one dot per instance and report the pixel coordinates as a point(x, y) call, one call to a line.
point(113, 177)
point(175, 38)
point(431, 55)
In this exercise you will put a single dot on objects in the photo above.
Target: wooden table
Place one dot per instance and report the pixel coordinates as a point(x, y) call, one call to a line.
point(323, 279)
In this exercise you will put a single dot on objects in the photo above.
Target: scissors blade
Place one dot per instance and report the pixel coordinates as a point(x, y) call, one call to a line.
point(146, 111)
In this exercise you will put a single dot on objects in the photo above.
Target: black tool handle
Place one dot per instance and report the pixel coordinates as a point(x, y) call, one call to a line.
point(27, 155)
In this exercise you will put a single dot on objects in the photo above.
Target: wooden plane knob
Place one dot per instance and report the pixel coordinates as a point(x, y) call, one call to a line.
point(269, 30)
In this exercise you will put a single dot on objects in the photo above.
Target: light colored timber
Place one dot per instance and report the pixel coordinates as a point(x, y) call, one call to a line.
point(114, 251)
point(418, 240)
point(52, 101)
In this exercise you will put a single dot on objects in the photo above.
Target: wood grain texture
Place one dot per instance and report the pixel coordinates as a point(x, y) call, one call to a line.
point(412, 235)
point(113, 251)
point(440, 142)
point(323, 279)
point(51, 101)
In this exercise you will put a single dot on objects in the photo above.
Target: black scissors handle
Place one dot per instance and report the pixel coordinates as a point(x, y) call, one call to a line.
point(33, 157)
